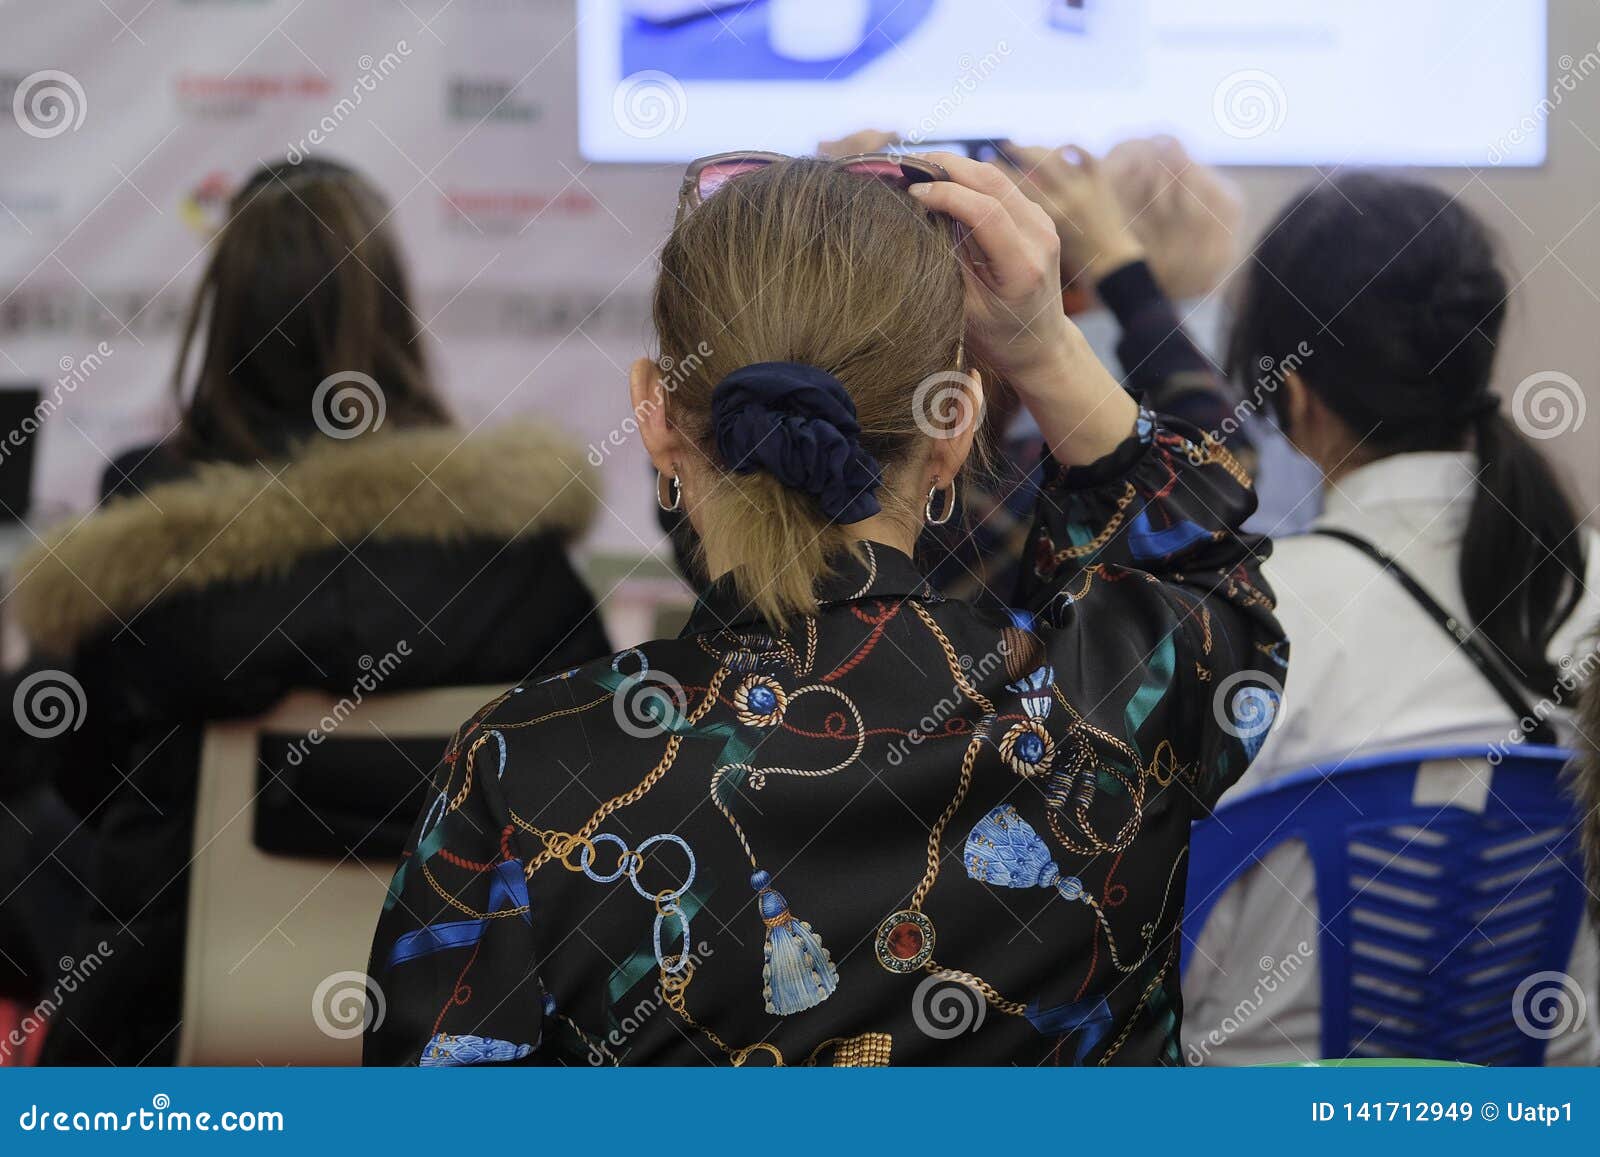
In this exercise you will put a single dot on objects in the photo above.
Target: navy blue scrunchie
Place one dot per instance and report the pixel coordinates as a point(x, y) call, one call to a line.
point(798, 423)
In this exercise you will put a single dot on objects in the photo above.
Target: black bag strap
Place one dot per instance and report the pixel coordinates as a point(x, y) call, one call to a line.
point(1482, 658)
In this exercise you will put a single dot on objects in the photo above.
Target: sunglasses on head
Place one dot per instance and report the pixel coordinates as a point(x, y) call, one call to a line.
point(704, 177)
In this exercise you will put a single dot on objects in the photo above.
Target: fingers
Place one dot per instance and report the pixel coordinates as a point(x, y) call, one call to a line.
point(1042, 173)
point(990, 181)
point(1033, 157)
point(865, 141)
point(991, 226)
point(1086, 161)
point(979, 175)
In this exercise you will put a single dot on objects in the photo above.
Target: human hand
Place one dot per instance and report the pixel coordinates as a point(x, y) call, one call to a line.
point(857, 143)
point(1187, 216)
point(1077, 193)
point(1014, 318)
point(1015, 323)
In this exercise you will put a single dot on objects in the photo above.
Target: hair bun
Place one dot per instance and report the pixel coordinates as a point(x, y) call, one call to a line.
point(798, 423)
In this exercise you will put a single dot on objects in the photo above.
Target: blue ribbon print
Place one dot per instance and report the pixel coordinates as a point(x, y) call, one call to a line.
point(1089, 1020)
point(508, 888)
point(1145, 541)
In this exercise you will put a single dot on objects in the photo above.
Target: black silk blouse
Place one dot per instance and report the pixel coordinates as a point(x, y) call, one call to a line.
point(904, 831)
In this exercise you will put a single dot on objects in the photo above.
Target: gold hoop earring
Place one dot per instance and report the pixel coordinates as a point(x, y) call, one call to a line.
point(677, 493)
point(949, 506)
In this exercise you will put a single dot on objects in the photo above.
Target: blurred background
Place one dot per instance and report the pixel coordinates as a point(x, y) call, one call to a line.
point(532, 151)
point(531, 241)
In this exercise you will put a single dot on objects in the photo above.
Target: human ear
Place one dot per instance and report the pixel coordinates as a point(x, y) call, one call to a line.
point(663, 443)
point(961, 402)
point(1294, 414)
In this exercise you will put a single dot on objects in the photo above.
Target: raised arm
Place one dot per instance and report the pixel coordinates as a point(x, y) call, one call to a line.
point(1189, 244)
point(1014, 317)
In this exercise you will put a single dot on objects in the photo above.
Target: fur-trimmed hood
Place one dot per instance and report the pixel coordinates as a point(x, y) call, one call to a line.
point(230, 523)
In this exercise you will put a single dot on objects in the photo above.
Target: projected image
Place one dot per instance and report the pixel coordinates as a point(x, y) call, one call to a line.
point(1084, 43)
point(1253, 82)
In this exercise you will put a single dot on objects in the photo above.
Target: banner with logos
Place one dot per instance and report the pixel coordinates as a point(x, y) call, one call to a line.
point(127, 124)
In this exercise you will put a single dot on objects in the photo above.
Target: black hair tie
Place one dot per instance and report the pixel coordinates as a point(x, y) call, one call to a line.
point(798, 423)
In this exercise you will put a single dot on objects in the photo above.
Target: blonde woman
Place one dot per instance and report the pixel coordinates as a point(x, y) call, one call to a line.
point(773, 839)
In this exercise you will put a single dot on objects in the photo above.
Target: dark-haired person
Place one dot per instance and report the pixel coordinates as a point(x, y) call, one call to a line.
point(314, 510)
point(1392, 292)
point(837, 786)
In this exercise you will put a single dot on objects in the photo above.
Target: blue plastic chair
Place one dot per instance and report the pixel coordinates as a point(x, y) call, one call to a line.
point(1433, 914)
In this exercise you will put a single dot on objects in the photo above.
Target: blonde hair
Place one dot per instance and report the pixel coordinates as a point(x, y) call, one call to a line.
point(805, 262)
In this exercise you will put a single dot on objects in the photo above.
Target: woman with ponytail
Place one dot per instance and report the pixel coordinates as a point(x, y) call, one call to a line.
point(1379, 301)
point(840, 811)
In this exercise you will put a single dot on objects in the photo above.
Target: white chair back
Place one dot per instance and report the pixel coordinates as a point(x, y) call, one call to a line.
point(276, 953)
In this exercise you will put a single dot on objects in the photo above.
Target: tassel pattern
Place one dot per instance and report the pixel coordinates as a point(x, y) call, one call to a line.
point(797, 972)
point(1004, 850)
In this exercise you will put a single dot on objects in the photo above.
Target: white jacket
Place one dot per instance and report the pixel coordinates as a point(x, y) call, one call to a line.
point(1369, 671)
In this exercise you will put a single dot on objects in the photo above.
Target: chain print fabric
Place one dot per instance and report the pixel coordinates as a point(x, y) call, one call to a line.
point(745, 847)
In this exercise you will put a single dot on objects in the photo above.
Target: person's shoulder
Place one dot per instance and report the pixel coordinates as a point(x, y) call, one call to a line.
point(1306, 550)
point(1582, 628)
point(144, 466)
point(1591, 552)
point(616, 698)
point(1311, 566)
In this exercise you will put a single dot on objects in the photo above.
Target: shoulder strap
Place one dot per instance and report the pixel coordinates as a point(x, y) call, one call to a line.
point(1487, 663)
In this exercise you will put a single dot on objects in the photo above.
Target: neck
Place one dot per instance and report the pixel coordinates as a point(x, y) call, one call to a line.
point(880, 528)
point(1342, 460)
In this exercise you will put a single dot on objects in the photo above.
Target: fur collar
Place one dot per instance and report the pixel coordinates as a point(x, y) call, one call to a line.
point(230, 523)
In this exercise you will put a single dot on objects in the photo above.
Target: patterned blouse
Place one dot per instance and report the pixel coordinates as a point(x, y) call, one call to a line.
point(904, 831)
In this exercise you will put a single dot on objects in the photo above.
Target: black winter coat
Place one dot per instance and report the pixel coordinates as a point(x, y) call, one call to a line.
point(209, 595)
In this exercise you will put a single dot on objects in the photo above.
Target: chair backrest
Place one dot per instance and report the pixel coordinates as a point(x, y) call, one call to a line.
point(277, 944)
point(1444, 878)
